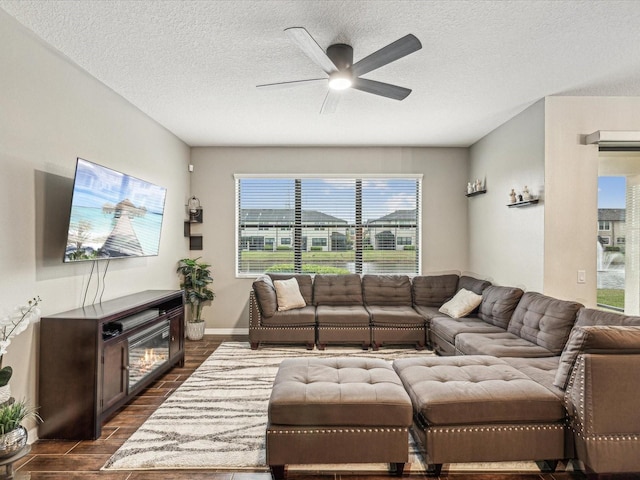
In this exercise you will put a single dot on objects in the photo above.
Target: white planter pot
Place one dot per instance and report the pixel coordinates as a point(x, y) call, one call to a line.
point(195, 330)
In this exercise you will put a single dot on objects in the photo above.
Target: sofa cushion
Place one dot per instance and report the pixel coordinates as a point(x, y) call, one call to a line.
point(288, 294)
point(544, 320)
point(498, 304)
point(448, 328)
point(433, 290)
point(386, 290)
point(462, 304)
point(428, 313)
point(266, 297)
point(476, 285)
point(540, 370)
point(338, 391)
point(337, 290)
point(504, 344)
point(585, 336)
point(305, 316)
point(394, 315)
point(475, 390)
point(305, 282)
point(341, 315)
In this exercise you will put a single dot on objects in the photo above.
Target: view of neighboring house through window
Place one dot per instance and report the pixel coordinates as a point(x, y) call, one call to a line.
point(340, 225)
point(618, 240)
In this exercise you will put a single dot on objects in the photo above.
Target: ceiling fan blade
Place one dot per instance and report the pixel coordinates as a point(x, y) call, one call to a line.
point(330, 102)
point(379, 88)
point(294, 83)
point(310, 47)
point(392, 52)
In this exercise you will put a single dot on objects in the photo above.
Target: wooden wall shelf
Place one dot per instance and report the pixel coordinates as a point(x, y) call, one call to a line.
point(473, 194)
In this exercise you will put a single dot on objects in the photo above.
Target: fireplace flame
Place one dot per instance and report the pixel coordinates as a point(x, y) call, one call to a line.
point(149, 359)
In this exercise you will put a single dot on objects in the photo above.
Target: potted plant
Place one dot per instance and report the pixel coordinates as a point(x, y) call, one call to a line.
point(12, 324)
point(13, 436)
point(196, 276)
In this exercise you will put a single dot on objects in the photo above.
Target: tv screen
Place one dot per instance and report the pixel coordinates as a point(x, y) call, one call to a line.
point(113, 215)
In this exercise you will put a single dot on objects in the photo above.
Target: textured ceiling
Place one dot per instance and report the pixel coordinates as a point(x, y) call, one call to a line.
point(193, 65)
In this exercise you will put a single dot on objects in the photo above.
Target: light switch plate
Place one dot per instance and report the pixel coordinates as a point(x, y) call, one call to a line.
point(582, 276)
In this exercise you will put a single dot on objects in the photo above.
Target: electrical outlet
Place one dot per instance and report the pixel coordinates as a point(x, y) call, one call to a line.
point(582, 276)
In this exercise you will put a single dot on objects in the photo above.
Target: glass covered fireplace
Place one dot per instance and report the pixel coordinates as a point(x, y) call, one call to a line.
point(148, 351)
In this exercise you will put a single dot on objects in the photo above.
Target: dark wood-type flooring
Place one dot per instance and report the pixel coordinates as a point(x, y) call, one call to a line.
point(75, 460)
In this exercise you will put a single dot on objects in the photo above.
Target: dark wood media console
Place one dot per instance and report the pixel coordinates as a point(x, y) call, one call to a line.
point(95, 359)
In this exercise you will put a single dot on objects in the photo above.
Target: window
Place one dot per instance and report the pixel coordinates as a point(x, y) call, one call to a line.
point(617, 219)
point(338, 224)
point(604, 225)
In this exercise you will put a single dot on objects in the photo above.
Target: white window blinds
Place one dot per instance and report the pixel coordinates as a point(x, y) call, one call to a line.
point(328, 225)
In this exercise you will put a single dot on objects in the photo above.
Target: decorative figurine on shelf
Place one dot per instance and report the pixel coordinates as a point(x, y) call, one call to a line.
point(526, 196)
point(512, 196)
point(519, 198)
point(469, 187)
point(478, 185)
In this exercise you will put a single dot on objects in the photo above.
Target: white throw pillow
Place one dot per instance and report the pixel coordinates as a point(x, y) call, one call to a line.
point(462, 304)
point(288, 294)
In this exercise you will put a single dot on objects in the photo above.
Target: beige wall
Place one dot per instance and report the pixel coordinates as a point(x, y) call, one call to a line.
point(51, 113)
point(571, 179)
point(444, 214)
point(506, 244)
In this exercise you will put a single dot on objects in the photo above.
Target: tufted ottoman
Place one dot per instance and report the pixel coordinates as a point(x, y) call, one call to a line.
point(337, 410)
point(479, 408)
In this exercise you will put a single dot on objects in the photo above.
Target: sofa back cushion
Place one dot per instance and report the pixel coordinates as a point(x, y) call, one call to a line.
point(433, 290)
point(588, 317)
point(473, 284)
point(498, 304)
point(337, 290)
point(265, 293)
point(543, 320)
point(304, 282)
point(390, 290)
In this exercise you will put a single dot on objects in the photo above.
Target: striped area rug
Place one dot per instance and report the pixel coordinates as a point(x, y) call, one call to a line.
point(217, 418)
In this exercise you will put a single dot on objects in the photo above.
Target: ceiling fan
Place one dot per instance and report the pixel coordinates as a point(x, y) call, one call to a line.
point(342, 73)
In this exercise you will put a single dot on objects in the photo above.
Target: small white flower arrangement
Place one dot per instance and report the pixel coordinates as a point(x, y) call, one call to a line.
point(12, 324)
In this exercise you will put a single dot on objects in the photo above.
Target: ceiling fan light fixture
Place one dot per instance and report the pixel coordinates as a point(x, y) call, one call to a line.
point(340, 80)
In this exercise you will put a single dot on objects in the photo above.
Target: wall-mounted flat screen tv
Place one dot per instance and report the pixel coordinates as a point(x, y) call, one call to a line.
point(113, 215)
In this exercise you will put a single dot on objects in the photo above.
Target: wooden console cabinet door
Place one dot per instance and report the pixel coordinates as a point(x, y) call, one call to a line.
point(114, 373)
point(176, 340)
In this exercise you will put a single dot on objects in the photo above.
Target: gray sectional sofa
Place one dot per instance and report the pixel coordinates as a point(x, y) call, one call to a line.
point(370, 311)
point(524, 376)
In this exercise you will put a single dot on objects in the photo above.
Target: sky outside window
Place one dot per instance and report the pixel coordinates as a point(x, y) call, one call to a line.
point(380, 196)
point(612, 192)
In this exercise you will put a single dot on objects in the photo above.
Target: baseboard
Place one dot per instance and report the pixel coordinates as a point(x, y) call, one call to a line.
point(226, 331)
